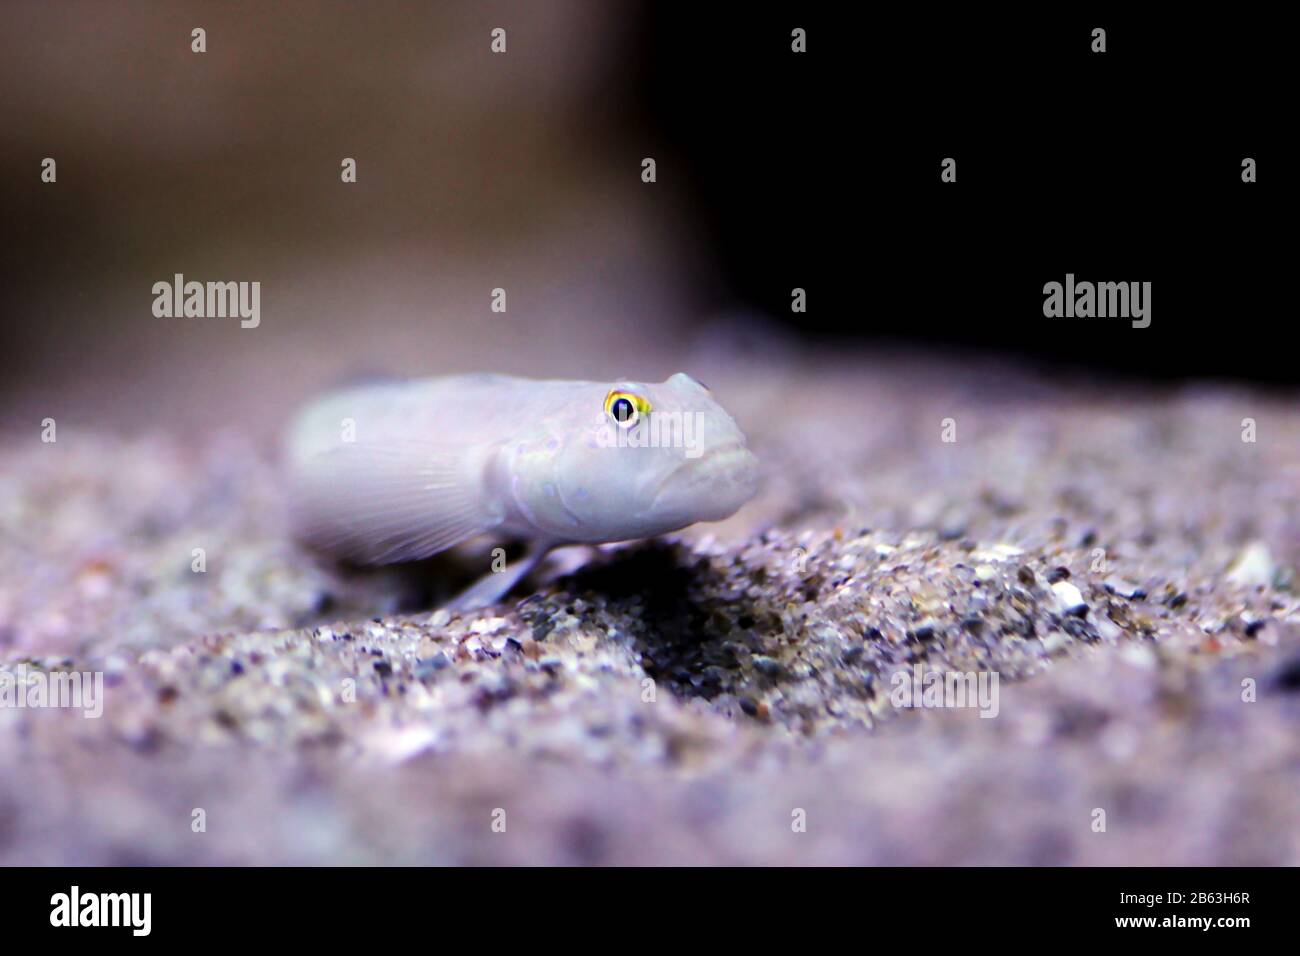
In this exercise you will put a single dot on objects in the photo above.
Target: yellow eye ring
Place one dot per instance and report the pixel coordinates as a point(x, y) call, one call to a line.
point(625, 408)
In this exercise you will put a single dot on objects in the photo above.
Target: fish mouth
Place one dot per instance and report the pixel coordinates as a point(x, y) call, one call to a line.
point(721, 480)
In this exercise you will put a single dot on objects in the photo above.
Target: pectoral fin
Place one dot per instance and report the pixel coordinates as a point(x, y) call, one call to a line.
point(377, 503)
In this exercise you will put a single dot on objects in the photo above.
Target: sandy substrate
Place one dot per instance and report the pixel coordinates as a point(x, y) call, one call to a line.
point(1122, 561)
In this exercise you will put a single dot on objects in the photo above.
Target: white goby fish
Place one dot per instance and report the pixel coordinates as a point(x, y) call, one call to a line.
point(403, 470)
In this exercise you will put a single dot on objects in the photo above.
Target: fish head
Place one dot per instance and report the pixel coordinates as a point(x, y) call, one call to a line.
point(649, 458)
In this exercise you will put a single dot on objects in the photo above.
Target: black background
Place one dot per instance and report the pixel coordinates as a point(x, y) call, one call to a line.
point(911, 905)
point(821, 171)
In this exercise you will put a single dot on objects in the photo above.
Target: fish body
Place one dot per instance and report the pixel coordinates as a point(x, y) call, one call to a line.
point(402, 470)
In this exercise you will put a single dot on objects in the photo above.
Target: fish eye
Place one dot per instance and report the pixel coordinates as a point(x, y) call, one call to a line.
point(624, 411)
point(626, 408)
